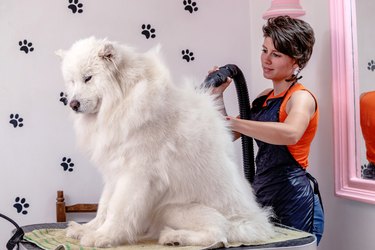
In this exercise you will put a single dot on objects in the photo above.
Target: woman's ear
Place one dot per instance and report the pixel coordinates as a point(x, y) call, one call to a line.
point(296, 68)
point(295, 64)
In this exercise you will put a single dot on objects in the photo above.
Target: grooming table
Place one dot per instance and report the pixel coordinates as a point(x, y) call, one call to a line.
point(305, 243)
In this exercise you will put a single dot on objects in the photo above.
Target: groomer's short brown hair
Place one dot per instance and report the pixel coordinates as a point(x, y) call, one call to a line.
point(292, 37)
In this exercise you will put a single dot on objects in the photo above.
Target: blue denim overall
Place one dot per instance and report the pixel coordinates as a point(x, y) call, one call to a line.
point(280, 182)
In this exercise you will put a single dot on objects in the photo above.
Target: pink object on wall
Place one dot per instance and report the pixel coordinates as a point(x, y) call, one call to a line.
point(291, 8)
point(348, 182)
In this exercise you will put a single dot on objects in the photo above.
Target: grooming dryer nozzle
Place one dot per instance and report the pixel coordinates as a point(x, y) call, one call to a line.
point(218, 77)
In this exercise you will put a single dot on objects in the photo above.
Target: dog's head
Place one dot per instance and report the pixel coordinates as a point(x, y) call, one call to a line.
point(88, 67)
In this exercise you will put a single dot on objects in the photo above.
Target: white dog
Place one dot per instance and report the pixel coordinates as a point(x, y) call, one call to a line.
point(164, 151)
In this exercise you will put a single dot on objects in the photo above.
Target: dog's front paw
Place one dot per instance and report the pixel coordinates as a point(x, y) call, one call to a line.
point(75, 230)
point(96, 239)
point(170, 237)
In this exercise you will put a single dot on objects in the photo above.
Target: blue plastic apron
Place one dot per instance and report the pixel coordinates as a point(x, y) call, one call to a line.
point(280, 182)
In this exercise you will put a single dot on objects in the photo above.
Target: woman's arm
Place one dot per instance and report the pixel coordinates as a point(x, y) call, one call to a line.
point(300, 108)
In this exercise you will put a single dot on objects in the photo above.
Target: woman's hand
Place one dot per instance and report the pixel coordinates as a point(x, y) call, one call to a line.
point(232, 120)
point(219, 90)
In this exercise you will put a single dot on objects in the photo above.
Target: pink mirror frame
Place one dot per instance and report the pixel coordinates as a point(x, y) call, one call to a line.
point(348, 183)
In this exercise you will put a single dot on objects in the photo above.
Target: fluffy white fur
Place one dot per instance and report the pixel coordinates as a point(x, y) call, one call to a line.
point(164, 151)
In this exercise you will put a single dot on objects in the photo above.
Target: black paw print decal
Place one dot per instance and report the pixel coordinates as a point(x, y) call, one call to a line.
point(67, 164)
point(148, 31)
point(16, 120)
point(368, 172)
point(188, 55)
point(75, 6)
point(63, 98)
point(21, 205)
point(190, 6)
point(363, 168)
point(371, 65)
point(26, 46)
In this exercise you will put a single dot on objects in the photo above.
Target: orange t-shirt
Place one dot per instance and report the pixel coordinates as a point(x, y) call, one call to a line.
point(300, 151)
point(367, 119)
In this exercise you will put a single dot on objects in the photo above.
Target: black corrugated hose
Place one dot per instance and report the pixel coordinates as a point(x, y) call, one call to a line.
point(219, 77)
point(17, 236)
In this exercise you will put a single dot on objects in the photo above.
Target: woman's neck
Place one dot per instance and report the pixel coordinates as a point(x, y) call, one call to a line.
point(279, 87)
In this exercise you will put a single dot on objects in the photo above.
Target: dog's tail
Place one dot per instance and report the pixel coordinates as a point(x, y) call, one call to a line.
point(250, 230)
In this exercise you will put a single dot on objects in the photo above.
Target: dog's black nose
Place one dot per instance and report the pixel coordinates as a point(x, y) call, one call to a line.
point(74, 105)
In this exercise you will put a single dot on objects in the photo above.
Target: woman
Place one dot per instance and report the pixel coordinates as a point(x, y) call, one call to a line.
point(283, 123)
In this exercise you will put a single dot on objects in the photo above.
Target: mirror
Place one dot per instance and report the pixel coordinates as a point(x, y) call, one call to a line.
point(366, 71)
point(347, 86)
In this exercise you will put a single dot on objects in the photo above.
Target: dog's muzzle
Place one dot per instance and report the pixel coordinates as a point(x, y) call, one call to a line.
point(74, 104)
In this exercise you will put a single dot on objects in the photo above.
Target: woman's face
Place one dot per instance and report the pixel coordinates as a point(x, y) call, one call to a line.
point(276, 65)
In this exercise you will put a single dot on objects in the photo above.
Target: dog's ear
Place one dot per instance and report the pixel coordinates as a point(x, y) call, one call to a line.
point(155, 50)
point(60, 53)
point(107, 51)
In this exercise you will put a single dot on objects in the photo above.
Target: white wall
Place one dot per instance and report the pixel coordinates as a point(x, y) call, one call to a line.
point(219, 32)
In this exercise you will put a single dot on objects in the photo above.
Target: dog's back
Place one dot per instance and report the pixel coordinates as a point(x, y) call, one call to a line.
point(164, 150)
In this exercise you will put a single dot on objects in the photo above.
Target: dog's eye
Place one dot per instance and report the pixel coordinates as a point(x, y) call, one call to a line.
point(87, 78)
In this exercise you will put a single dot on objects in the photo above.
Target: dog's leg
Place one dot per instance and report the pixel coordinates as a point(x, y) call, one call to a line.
point(191, 225)
point(129, 211)
point(76, 230)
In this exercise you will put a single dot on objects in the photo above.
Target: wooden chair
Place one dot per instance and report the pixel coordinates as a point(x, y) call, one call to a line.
point(62, 209)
